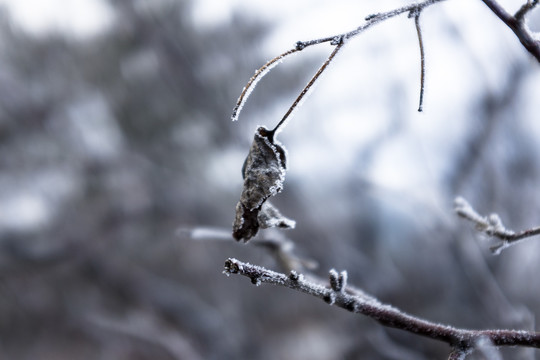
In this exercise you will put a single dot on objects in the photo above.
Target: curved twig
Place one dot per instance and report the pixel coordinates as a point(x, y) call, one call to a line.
point(422, 60)
point(462, 340)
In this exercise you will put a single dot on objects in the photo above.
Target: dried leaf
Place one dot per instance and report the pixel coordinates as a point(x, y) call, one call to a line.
point(263, 173)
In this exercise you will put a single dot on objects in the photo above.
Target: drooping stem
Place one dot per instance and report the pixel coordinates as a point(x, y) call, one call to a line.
point(462, 340)
point(301, 45)
point(422, 60)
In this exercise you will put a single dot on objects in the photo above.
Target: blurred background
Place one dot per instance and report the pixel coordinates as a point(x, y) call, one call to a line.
point(116, 141)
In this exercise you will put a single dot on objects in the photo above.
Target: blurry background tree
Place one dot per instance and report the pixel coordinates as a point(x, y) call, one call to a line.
point(110, 143)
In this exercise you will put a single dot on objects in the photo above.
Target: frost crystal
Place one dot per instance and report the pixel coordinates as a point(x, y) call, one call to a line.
point(263, 173)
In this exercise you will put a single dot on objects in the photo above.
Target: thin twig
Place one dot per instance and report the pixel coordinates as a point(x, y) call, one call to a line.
point(422, 60)
point(517, 24)
point(462, 340)
point(301, 45)
point(309, 85)
point(492, 226)
point(279, 246)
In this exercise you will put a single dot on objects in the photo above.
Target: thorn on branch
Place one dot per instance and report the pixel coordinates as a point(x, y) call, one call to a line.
point(416, 14)
point(232, 266)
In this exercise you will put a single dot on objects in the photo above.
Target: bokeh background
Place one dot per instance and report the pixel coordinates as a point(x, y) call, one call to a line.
point(116, 142)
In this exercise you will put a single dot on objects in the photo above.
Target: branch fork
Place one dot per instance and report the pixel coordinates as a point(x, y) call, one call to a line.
point(462, 341)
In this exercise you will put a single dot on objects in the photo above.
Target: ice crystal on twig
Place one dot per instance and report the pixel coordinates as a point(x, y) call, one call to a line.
point(463, 341)
point(416, 15)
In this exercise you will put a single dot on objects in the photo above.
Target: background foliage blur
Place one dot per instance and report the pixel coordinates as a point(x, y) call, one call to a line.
point(112, 143)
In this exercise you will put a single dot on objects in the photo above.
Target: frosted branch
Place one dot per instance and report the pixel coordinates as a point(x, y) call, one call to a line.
point(492, 226)
point(279, 247)
point(416, 16)
point(336, 40)
point(463, 341)
point(516, 22)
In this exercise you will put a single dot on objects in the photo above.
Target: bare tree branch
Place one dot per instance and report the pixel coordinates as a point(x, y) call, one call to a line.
point(265, 69)
point(492, 226)
point(517, 24)
point(336, 293)
point(416, 16)
point(336, 40)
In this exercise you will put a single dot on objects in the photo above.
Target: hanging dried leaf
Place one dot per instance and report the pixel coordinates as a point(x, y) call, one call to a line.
point(263, 173)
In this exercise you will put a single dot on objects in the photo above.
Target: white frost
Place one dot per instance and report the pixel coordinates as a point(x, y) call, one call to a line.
point(248, 89)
